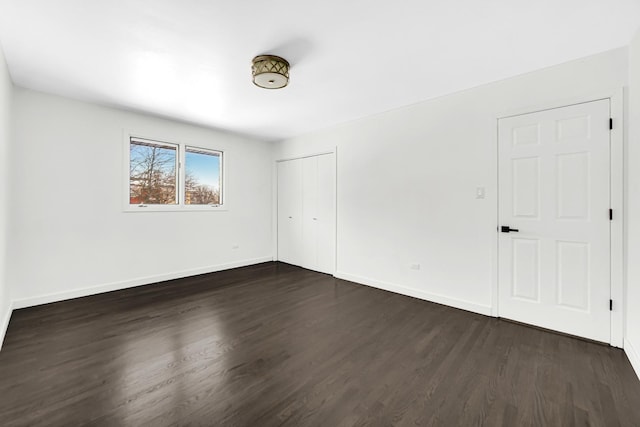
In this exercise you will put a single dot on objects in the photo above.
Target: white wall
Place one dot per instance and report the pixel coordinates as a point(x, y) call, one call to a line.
point(407, 181)
point(6, 90)
point(69, 235)
point(632, 340)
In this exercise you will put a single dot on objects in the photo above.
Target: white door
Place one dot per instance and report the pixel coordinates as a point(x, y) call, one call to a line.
point(554, 271)
point(309, 212)
point(318, 206)
point(306, 212)
point(290, 212)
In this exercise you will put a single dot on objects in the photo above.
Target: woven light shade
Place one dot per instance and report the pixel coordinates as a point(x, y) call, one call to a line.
point(270, 71)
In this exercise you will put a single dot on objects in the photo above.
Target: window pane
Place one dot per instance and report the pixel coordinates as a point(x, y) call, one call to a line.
point(202, 177)
point(152, 173)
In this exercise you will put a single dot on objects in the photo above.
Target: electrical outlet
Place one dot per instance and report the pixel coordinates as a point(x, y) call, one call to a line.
point(480, 192)
point(235, 247)
point(415, 266)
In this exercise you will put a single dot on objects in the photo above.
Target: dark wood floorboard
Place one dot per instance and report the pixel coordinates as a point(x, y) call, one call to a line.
point(273, 344)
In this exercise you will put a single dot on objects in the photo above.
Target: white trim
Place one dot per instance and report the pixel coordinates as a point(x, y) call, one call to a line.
point(616, 191)
point(274, 210)
point(633, 356)
point(559, 103)
point(495, 244)
point(335, 211)
point(175, 208)
point(4, 325)
point(616, 102)
point(416, 293)
point(321, 153)
point(108, 287)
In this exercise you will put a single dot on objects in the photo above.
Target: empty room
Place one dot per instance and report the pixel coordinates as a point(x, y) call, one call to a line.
point(319, 213)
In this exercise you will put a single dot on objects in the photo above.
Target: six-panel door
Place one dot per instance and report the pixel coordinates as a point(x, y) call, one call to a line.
point(554, 272)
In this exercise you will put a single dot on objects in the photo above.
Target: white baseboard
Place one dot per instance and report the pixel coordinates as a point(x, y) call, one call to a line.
point(4, 323)
point(416, 293)
point(633, 356)
point(108, 287)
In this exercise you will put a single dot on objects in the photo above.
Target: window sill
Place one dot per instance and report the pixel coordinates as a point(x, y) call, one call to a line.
point(175, 208)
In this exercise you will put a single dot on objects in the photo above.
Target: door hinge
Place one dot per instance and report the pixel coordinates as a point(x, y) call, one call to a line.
point(610, 123)
point(610, 214)
point(610, 305)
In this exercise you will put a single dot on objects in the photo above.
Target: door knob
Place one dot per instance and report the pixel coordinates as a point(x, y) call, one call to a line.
point(506, 229)
point(315, 219)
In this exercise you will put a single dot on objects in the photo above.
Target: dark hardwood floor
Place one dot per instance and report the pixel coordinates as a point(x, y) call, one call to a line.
point(274, 344)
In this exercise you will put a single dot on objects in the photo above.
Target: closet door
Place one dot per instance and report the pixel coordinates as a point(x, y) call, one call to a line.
point(326, 213)
point(290, 212)
point(306, 212)
point(310, 212)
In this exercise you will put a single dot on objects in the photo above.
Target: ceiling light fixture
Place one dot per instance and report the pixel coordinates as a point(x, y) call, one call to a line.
point(270, 71)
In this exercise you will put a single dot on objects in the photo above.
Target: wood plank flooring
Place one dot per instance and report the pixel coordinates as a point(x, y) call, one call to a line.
point(272, 344)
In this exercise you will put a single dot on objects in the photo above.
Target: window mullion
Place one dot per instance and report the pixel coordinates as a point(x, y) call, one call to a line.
point(181, 175)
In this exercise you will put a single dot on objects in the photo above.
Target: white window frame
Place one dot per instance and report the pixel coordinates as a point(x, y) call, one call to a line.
point(181, 148)
point(183, 172)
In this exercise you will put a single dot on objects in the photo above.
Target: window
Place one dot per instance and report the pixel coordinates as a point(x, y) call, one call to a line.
point(157, 180)
point(153, 177)
point(202, 176)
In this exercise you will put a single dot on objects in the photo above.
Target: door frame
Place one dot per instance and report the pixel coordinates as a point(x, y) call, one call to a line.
point(616, 191)
point(274, 215)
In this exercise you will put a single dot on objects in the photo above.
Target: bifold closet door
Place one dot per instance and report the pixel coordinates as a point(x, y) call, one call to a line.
point(309, 212)
point(318, 212)
point(290, 212)
point(306, 212)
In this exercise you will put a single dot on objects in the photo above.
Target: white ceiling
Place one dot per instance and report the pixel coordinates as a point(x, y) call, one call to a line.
point(190, 59)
